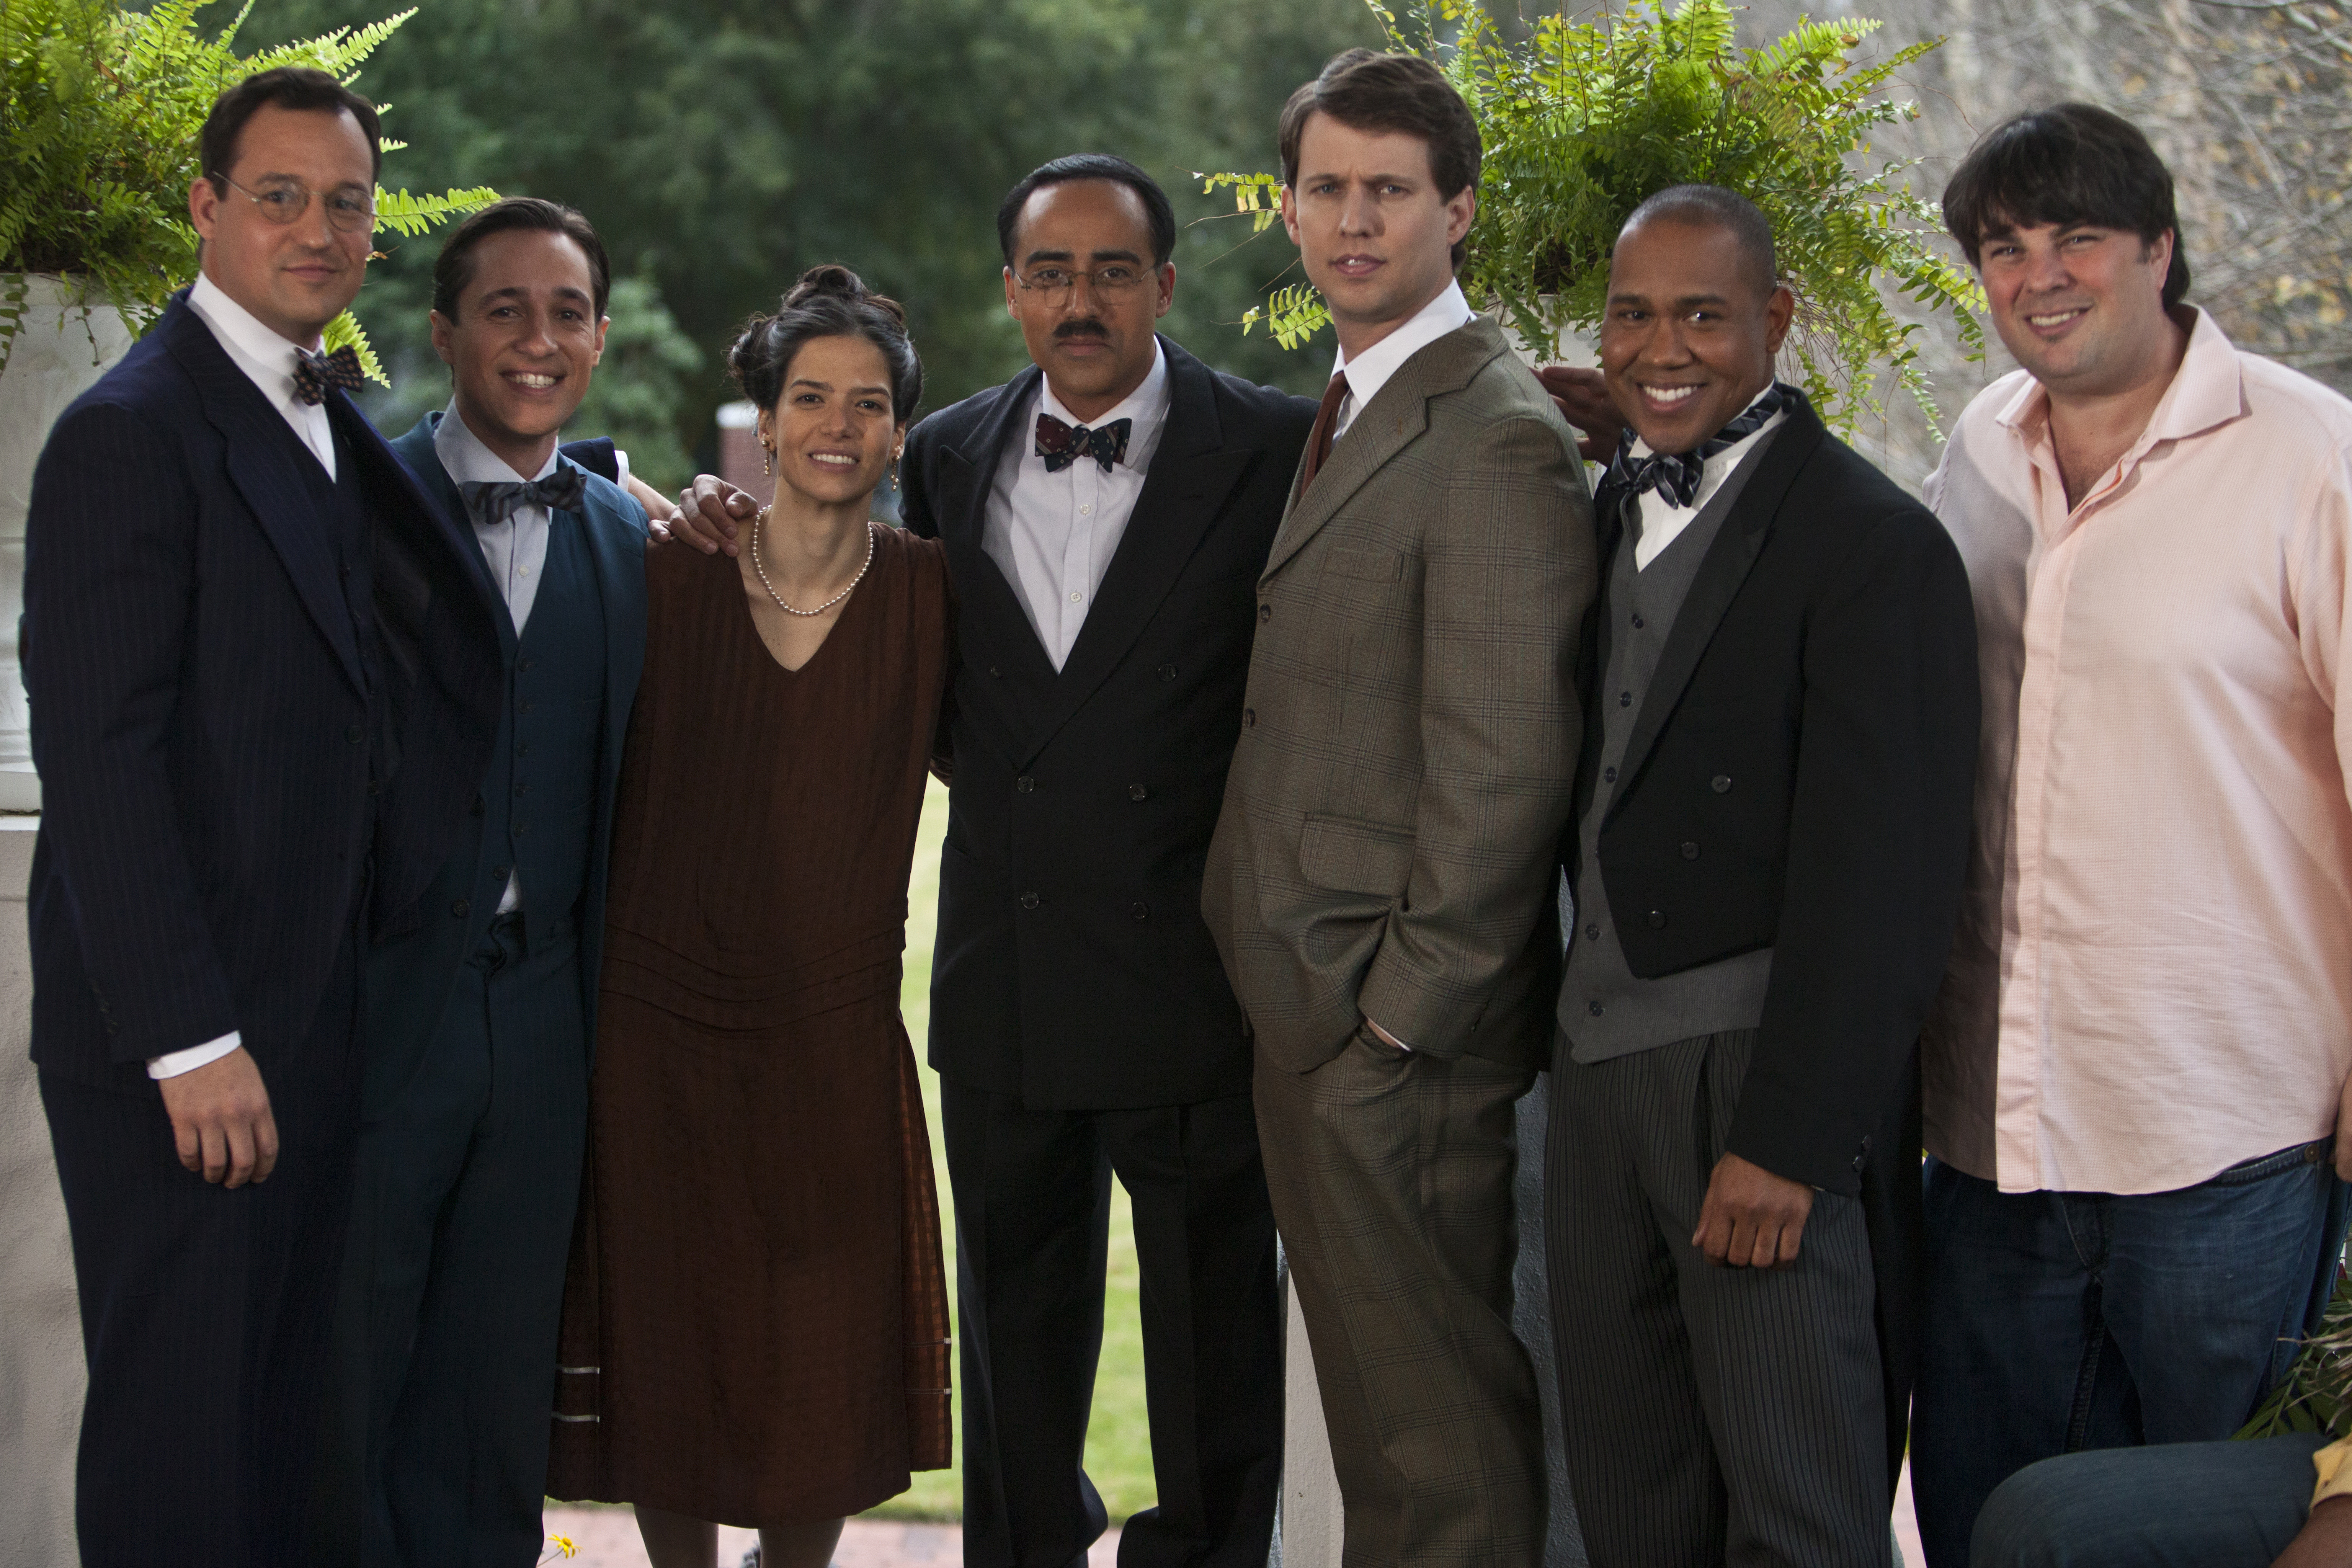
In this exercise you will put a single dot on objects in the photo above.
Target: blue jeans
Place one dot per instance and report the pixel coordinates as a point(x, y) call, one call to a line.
point(2061, 1321)
point(2171, 1505)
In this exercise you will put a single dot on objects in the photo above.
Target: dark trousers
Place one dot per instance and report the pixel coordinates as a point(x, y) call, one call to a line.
point(1032, 1210)
point(2059, 1322)
point(206, 1313)
point(2173, 1505)
point(468, 1183)
point(1392, 1177)
point(1713, 1415)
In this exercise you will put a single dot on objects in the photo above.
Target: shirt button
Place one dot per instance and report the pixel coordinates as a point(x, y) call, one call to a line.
point(1594, 1008)
point(1142, 913)
point(1028, 901)
point(1025, 784)
point(1690, 851)
point(1085, 510)
point(1722, 784)
point(1137, 792)
point(522, 571)
point(1074, 599)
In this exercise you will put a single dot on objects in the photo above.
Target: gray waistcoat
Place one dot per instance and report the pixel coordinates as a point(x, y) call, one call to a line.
point(1604, 1010)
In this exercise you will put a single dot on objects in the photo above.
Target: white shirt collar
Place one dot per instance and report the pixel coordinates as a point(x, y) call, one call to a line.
point(263, 354)
point(1371, 370)
point(1147, 406)
point(469, 461)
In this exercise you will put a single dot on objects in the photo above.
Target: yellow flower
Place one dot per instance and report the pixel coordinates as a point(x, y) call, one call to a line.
point(559, 1546)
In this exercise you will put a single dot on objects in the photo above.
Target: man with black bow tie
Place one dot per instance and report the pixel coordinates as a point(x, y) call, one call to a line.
point(481, 1017)
point(1771, 823)
point(264, 685)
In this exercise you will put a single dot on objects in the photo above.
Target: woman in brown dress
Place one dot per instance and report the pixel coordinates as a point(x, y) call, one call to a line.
point(755, 1327)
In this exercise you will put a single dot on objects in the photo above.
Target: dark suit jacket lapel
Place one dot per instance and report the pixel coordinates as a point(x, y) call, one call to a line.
point(1734, 551)
point(261, 464)
point(1397, 414)
point(967, 472)
point(422, 461)
point(1190, 476)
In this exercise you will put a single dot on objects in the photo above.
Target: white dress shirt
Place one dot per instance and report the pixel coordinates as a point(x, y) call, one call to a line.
point(515, 549)
point(1371, 369)
point(1054, 535)
point(1662, 520)
point(267, 361)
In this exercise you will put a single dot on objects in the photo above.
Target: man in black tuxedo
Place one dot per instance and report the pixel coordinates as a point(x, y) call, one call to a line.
point(265, 683)
point(1106, 515)
point(1770, 838)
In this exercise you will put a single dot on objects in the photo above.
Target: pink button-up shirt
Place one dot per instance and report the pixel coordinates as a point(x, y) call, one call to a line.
point(2152, 977)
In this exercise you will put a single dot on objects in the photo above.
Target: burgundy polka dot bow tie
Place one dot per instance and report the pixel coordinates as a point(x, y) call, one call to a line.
point(1061, 444)
point(313, 373)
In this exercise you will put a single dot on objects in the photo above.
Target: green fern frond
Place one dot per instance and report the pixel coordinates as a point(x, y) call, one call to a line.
point(410, 215)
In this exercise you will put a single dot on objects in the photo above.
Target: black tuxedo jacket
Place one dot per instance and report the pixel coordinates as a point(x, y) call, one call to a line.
point(1073, 968)
point(199, 705)
point(1800, 779)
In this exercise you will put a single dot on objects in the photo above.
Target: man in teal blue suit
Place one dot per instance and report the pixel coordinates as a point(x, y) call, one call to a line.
point(481, 1015)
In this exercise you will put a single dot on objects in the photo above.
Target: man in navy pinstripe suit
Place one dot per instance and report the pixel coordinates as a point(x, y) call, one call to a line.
point(265, 687)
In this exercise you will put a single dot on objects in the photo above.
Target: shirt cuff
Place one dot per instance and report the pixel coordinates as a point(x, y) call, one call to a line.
point(171, 1064)
point(619, 467)
point(1392, 1039)
point(2335, 1472)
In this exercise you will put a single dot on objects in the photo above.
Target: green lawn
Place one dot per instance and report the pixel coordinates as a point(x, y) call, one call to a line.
point(1119, 1443)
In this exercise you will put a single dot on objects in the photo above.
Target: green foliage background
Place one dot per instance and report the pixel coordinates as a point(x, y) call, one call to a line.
point(721, 146)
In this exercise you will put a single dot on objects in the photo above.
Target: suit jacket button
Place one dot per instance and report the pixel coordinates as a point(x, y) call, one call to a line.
point(524, 665)
point(1137, 792)
point(994, 673)
point(1264, 613)
point(355, 735)
point(1658, 920)
point(1166, 672)
point(461, 908)
point(1025, 784)
point(1142, 913)
point(1249, 717)
point(1722, 784)
point(1028, 901)
point(1594, 1007)
point(1690, 851)
point(478, 804)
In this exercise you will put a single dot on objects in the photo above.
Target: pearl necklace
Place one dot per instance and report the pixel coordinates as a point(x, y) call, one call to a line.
point(770, 587)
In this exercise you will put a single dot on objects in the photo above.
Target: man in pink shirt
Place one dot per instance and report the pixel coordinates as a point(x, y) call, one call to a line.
point(2132, 1077)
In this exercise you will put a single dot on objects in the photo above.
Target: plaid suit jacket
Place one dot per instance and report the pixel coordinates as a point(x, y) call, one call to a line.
point(1388, 843)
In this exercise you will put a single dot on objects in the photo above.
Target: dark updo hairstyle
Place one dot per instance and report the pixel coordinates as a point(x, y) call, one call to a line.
point(829, 302)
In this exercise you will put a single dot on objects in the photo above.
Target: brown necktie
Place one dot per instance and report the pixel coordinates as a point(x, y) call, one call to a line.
point(1326, 419)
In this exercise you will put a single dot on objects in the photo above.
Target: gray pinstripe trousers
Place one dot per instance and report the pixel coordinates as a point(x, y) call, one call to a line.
point(1713, 1415)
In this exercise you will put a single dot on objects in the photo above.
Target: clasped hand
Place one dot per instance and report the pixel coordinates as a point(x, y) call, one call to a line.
point(1750, 1217)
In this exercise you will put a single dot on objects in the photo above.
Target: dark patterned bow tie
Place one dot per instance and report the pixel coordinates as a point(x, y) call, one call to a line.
point(494, 501)
point(314, 372)
point(1061, 444)
point(1675, 475)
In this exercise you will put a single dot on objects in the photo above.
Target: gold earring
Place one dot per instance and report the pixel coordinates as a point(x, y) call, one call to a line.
point(767, 461)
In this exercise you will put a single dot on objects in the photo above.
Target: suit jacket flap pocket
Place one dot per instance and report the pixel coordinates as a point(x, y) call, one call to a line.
point(1363, 565)
point(1352, 856)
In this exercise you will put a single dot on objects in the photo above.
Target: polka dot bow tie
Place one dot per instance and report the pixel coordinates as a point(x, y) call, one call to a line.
point(494, 501)
point(1061, 444)
point(1675, 475)
point(313, 373)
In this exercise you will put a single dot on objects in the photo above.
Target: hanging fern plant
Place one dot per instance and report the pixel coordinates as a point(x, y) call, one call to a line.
point(1583, 120)
point(100, 111)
